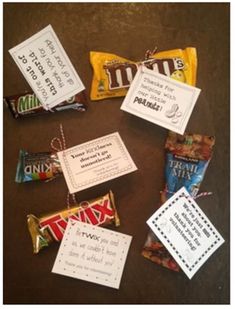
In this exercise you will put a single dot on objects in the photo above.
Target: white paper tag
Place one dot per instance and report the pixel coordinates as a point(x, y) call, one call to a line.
point(95, 162)
point(92, 253)
point(185, 231)
point(47, 68)
point(160, 99)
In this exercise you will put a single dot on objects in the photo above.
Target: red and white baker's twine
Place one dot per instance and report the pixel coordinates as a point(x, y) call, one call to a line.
point(149, 53)
point(69, 197)
point(195, 197)
point(62, 146)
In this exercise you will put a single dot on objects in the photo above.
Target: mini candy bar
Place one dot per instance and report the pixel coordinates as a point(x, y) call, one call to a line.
point(187, 158)
point(49, 228)
point(37, 166)
point(113, 74)
point(27, 104)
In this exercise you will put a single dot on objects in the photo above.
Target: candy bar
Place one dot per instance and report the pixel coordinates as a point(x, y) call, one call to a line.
point(46, 229)
point(37, 166)
point(113, 74)
point(27, 104)
point(187, 158)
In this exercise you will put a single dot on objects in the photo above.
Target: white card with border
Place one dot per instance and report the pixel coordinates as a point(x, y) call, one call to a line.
point(95, 162)
point(160, 99)
point(47, 68)
point(92, 253)
point(185, 231)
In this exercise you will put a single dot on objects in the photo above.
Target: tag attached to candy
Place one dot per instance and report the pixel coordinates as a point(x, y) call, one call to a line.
point(185, 231)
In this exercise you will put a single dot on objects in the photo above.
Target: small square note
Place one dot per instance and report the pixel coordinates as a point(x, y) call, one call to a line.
point(48, 70)
point(185, 231)
point(95, 162)
point(92, 253)
point(161, 100)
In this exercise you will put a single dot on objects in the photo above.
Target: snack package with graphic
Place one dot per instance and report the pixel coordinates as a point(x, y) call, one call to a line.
point(112, 75)
point(187, 158)
point(37, 166)
point(27, 104)
point(46, 229)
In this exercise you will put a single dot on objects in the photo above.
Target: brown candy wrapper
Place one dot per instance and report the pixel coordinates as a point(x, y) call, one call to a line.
point(27, 104)
point(46, 229)
point(187, 158)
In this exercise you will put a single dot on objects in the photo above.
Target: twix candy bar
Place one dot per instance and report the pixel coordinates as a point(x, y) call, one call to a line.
point(51, 227)
point(114, 74)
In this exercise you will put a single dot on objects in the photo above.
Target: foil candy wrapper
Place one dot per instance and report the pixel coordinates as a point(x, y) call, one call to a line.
point(37, 166)
point(27, 104)
point(48, 228)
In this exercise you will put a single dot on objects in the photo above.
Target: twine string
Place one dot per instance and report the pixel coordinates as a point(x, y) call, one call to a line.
point(70, 197)
point(202, 194)
point(59, 140)
point(149, 53)
point(55, 142)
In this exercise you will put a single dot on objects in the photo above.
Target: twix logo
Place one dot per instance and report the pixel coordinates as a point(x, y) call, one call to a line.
point(94, 214)
point(120, 75)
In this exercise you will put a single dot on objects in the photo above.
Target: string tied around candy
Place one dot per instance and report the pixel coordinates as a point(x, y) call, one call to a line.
point(149, 53)
point(61, 142)
point(62, 146)
point(148, 57)
point(71, 202)
point(201, 194)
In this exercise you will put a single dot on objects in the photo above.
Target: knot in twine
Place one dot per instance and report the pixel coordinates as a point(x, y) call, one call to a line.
point(149, 53)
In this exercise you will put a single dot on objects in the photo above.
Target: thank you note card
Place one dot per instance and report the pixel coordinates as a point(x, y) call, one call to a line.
point(47, 68)
point(161, 100)
point(95, 162)
point(185, 231)
point(92, 253)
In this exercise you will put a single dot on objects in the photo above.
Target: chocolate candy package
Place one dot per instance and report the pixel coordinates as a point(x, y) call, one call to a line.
point(187, 158)
point(46, 229)
point(112, 74)
point(37, 166)
point(27, 104)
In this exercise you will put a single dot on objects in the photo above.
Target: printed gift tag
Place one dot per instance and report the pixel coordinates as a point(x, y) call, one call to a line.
point(47, 68)
point(185, 231)
point(160, 99)
point(92, 253)
point(95, 162)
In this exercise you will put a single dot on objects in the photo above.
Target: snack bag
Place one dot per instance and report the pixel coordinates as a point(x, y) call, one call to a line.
point(187, 158)
point(114, 74)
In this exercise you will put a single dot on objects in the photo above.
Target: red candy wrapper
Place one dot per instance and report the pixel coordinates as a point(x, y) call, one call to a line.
point(46, 229)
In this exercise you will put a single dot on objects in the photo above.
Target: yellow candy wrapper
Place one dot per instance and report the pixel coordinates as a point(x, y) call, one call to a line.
point(114, 74)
